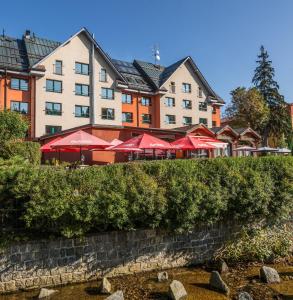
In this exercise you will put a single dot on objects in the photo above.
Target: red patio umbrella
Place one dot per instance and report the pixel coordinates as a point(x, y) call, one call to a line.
point(46, 148)
point(142, 142)
point(214, 142)
point(80, 140)
point(191, 143)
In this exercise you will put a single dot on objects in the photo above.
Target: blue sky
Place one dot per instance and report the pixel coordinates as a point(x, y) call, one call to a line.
point(223, 36)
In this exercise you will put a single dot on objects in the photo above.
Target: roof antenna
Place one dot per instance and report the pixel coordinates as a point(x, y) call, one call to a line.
point(156, 54)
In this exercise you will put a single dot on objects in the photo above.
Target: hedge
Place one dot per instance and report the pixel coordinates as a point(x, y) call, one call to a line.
point(173, 195)
point(27, 150)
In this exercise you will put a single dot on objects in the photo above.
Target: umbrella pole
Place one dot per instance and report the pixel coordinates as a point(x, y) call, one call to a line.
point(80, 153)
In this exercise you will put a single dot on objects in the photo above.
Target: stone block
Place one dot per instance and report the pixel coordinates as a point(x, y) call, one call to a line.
point(45, 293)
point(177, 291)
point(269, 275)
point(217, 283)
point(116, 296)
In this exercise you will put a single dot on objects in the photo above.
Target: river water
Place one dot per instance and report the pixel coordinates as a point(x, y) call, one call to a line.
point(145, 286)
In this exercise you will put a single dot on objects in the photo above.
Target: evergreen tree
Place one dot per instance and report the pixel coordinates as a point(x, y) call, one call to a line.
point(279, 119)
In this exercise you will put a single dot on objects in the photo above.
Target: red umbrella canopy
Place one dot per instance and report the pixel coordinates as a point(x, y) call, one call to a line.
point(47, 147)
point(191, 143)
point(143, 141)
point(114, 143)
point(80, 139)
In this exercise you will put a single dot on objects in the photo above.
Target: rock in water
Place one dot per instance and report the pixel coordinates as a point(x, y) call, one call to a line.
point(162, 276)
point(269, 275)
point(44, 293)
point(116, 296)
point(217, 283)
point(244, 296)
point(177, 291)
point(106, 286)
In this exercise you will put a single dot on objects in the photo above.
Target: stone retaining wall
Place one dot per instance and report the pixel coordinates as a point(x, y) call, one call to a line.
point(50, 263)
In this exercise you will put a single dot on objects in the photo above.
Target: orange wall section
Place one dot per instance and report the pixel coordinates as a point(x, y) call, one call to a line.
point(137, 110)
point(216, 117)
point(18, 95)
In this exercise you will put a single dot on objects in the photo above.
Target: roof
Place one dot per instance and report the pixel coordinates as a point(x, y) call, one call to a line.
point(29, 51)
point(22, 54)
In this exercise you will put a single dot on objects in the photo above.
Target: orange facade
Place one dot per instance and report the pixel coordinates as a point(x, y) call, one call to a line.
point(24, 99)
point(140, 109)
point(216, 116)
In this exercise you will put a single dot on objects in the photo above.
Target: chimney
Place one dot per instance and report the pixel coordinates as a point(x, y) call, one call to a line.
point(27, 34)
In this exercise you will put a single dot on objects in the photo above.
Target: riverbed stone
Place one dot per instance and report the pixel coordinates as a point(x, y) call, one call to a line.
point(177, 291)
point(244, 296)
point(106, 286)
point(217, 283)
point(44, 293)
point(162, 276)
point(222, 267)
point(269, 275)
point(116, 296)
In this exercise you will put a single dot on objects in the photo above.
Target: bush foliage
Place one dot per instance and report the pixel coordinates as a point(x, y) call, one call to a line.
point(173, 195)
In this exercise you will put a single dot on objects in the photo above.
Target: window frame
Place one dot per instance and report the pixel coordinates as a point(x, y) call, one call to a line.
point(200, 92)
point(56, 112)
point(19, 85)
point(81, 109)
point(19, 106)
point(107, 97)
point(103, 116)
point(81, 68)
point(55, 126)
point(123, 102)
point(205, 123)
point(167, 101)
point(144, 121)
point(184, 85)
point(185, 123)
point(55, 64)
point(143, 101)
point(82, 85)
point(53, 90)
point(168, 122)
point(186, 107)
point(172, 87)
point(202, 106)
point(127, 120)
point(101, 78)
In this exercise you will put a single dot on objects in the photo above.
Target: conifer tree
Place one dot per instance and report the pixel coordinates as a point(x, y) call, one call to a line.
point(279, 119)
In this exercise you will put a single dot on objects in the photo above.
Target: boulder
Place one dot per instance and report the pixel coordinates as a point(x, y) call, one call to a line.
point(244, 296)
point(217, 283)
point(162, 276)
point(116, 296)
point(44, 293)
point(222, 267)
point(105, 286)
point(177, 291)
point(269, 275)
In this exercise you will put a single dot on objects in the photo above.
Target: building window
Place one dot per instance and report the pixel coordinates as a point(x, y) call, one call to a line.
point(19, 84)
point(172, 87)
point(107, 93)
point(18, 106)
point(146, 118)
point(127, 117)
point(51, 129)
point(126, 99)
point(54, 109)
point(186, 87)
point(81, 89)
point(203, 121)
point(58, 67)
point(187, 120)
point(146, 101)
point(203, 106)
point(81, 68)
point(108, 114)
point(214, 123)
point(170, 102)
point(103, 75)
point(54, 86)
point(82, 111)
point(187, 104)
point(170, 119)
point(200, 94)
point(214, 110)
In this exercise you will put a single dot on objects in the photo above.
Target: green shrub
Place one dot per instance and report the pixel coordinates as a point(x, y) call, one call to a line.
point(173, 195)
point(27, 150)
point(259, 244)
